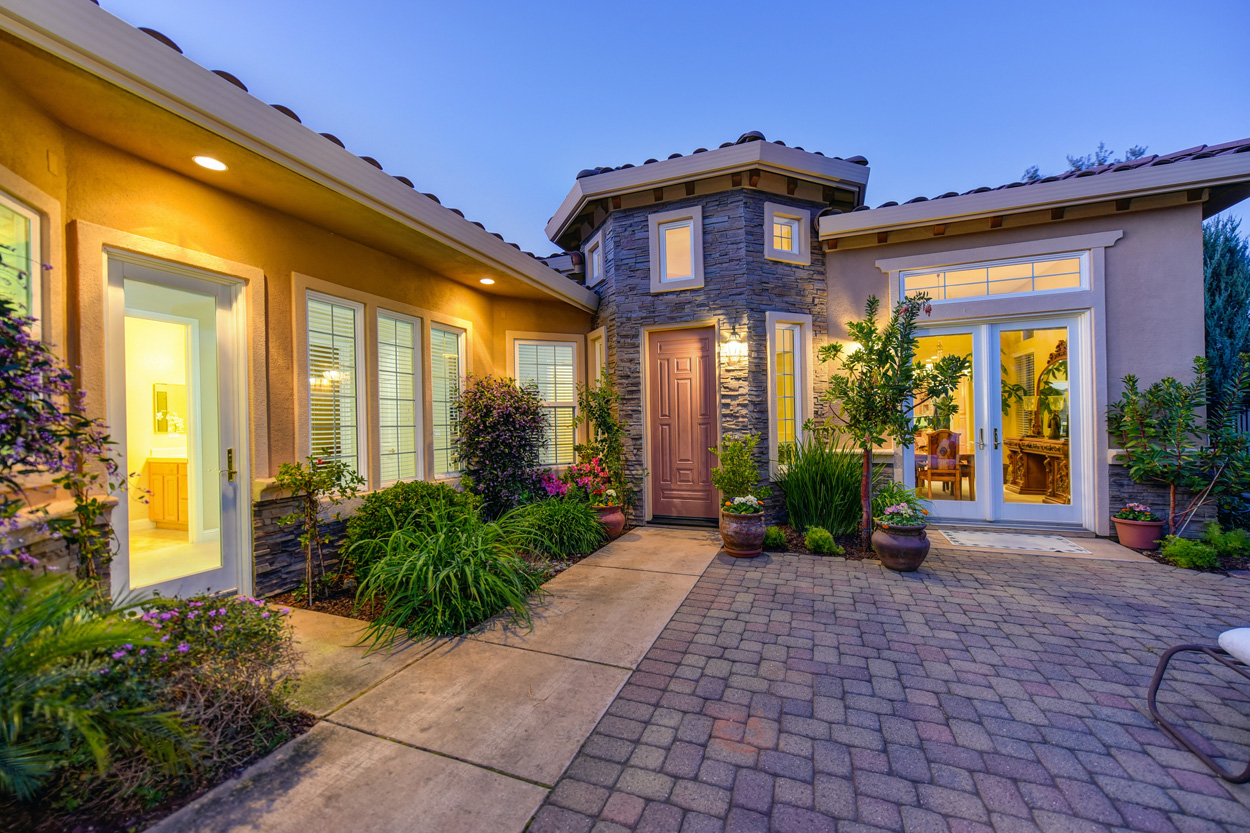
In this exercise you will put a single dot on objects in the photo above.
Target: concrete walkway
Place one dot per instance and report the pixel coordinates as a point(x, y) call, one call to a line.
point(467, 734)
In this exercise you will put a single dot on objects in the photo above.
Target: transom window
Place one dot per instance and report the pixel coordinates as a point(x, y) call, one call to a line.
point(334, 392)
point(446, 373)
point(552, 368)
point(20, 264)
point(784, 234)
point(1007, 277)
point(398, 404)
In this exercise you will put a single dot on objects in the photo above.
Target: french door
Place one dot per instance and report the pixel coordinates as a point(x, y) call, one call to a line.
point(1011, 443)
point(176, 414)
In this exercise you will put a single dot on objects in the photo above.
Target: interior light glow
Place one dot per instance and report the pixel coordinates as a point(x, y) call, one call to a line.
point(487, 281)
point(209, 162)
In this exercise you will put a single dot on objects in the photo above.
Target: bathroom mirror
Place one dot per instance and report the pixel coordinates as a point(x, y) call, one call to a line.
point(169, 408)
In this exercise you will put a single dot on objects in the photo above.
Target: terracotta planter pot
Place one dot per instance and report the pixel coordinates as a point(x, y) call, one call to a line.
point(901, 548)
point(742, 535)
point(613, 520)
point(1139, 535)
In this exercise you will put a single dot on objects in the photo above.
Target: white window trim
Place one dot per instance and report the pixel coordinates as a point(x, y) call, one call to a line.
point(803, 376)
point(36, 265)
point(594, 367)
point(802, 255)
point(595, 243)
point(693, 216)
point(462, 339)
point(364, 377)
point(419, 345)
point(1081, 256)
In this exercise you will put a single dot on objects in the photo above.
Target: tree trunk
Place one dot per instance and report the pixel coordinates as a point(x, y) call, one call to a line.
point(865, 498)
point(1171, 508)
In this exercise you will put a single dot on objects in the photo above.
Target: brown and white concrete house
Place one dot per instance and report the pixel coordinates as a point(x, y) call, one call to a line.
point(239, 291)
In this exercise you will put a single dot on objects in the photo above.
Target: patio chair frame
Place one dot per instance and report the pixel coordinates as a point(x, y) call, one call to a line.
point(1219, 655)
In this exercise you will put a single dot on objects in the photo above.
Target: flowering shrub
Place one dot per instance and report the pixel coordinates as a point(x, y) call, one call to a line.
point(745, 505)
point(1137, 512)
point(902, 514)
point(598, 406)
point(43, 434)
point(502, 429)
point(553, 485)
point(594, 478)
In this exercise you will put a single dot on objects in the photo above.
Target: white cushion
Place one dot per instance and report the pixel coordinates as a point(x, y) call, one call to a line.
point(1237, 643)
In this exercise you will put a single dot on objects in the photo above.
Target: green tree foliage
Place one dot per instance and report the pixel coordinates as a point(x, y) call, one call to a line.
point(599, 406)
point(1102, 155)
point(1226, 268)
point(315, 484)
point(876, 385)
point(737, 474)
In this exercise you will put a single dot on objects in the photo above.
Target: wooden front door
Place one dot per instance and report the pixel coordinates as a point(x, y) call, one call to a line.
point(682, 417)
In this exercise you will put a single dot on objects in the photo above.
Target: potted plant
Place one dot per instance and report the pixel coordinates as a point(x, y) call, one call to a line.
point(608, 507)
point(1137, 527)
point(596, 479)
point(742, 513)
point(900, 540)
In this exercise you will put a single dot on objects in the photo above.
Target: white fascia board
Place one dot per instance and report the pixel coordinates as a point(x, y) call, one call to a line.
point(1138, 182)
point(85, 36)
point(767, 156)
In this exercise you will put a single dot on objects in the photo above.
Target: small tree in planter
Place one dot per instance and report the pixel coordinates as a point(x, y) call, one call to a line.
point(502, 429)
point(315, 484)
point(598, 407)
point(1167, 439)
point(876, 387)
point(742, 515)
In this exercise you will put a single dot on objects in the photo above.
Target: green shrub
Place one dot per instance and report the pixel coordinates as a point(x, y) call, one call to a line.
point(557, 527)
point(892, 493)
point(443, 580)
point(822, 483)
point(59, 706)
point(737, 475)
point(1233, 543)
point(820, 540)
point(774, 538)
point(1192, 555)
point(408, 504)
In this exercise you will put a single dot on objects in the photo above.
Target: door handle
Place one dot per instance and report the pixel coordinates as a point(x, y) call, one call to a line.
point(230, 472)
point(995, 439)
point(981, 442)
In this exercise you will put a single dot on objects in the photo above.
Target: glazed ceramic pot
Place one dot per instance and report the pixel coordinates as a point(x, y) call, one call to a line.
point(613, 520)
point(901, 548)
point(1139, 535)
point(742, 535)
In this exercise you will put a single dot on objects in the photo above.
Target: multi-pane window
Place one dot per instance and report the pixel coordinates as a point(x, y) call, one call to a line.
point(676, 250)
point(997, 278)
point(552, 368)
point(398, 438)
point(787, 388)
point(785, 234)
point(20, 265)
point(333, 381)
point(446, 373)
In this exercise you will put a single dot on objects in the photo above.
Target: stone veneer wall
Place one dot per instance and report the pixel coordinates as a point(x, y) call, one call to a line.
point(279, 558)
point(740, 287)
point(1155, 495)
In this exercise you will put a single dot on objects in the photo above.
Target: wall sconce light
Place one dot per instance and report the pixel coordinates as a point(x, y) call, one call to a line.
point(735, 348)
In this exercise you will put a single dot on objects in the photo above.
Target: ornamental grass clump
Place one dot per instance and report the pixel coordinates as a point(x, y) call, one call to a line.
point(560, 528)
point(444, 580)
point(502, 428)
point(820, 482)
point(408, 504)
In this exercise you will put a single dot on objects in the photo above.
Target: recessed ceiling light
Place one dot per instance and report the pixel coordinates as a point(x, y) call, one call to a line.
point(210, 163)
point(487, 281)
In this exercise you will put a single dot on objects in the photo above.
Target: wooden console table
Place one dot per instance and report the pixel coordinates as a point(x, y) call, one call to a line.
point(1038, 466)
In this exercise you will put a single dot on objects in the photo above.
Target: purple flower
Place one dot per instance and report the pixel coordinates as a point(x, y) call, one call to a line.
point(183, 647)
point(119, 654)
point(265, 615)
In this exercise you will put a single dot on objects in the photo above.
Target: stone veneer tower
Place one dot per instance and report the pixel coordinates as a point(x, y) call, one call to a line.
point(738, 189)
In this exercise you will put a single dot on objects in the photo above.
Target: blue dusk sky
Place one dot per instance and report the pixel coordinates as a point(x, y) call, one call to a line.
point(495, 106)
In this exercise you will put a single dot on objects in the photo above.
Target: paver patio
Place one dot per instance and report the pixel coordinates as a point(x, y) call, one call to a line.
point(987, 691)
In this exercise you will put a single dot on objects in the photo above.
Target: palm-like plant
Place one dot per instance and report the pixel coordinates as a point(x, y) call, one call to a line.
point(55, 639)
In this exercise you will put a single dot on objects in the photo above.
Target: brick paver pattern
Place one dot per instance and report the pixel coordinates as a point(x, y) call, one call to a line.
point(984, 692)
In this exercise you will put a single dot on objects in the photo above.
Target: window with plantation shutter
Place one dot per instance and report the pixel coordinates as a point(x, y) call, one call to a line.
point(552, 368)
point(20, 267)
point(446, 373)
point(398, 388)
point(334, 392)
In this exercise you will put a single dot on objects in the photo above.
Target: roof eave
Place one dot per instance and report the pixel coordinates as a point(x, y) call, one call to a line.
point(765, 155)
point(95, 41)
point(1194, 173)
